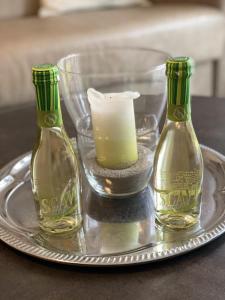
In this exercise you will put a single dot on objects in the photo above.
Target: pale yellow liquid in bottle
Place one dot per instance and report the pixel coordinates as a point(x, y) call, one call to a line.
point(55, 181)
point(178, 175)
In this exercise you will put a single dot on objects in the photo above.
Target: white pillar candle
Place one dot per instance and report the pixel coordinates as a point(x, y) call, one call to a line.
point(114, 128)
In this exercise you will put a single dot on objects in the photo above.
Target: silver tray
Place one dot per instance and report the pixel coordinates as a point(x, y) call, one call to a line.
point(115, 231)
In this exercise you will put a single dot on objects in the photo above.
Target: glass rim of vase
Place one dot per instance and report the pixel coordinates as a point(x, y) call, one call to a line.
point(92, 52)
point(87, 118)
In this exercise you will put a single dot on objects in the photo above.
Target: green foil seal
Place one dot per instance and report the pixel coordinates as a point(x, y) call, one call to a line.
point(45, 79)
point(179, 71)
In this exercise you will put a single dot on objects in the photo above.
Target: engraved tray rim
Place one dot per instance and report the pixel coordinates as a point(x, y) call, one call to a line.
point(138, 256)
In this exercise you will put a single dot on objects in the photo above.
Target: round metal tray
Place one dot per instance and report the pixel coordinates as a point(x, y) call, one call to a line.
point(115, 231)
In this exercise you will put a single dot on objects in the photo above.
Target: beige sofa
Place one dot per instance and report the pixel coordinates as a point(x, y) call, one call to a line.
point(191, 27)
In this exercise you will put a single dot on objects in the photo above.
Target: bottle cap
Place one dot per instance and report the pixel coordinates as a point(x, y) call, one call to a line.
point(179, 67)
point(45, 73)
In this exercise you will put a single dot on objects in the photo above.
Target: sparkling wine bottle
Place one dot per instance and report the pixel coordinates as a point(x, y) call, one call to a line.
point(178, 165)
point(54, 166)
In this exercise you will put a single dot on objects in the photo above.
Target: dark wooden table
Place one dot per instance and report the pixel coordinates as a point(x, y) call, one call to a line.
point(197, 275)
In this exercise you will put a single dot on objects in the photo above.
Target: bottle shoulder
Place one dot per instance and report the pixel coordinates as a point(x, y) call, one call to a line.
point(54, 162)
point(53, 140)
point(52, 135)
point(178, 146)
point(180, 132)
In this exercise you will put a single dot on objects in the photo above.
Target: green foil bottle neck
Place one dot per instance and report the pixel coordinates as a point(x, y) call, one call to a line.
point(179, 71)
point(48, 105)
point(178, 99)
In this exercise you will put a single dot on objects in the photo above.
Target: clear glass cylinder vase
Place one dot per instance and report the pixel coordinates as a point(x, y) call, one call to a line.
point(115, 70)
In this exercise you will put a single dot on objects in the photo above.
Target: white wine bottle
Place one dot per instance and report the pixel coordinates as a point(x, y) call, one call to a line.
point(178, 165)
point(54, 166)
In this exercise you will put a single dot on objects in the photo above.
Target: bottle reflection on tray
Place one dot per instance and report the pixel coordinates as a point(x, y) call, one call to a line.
point(71, 242)
point(167, 238)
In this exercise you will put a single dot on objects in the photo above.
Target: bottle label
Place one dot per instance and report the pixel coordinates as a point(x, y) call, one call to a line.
point(181, 179)
point(178, 113)
point(180, 190)
point(49, 119)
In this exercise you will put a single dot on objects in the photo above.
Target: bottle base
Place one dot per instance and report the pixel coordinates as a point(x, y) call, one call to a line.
point(60, 226)
point(177, 221)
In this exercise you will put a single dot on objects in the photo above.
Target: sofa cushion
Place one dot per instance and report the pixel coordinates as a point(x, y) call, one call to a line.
point(216, 3)
point(18, 8)
point(57, 7)
point(192, 30)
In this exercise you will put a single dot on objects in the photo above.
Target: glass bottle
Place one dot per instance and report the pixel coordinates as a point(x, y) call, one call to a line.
point(178, 165)
point(54, 166)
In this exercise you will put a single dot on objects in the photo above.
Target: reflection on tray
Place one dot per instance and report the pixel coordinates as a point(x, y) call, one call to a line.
point(63, 243)
point(116, 226)
point(111, 226)
point(119, 225)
